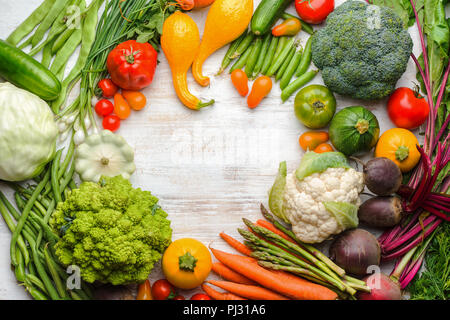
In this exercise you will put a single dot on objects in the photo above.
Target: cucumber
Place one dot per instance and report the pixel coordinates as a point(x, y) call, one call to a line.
point(266, 14)
point(23, 71)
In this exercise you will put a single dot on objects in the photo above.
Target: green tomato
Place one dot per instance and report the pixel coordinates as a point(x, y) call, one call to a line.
point(315, 106)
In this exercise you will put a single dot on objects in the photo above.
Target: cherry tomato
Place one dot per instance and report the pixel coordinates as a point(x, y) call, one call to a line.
point(109, 89)
point(311, 139)
point(200, 296)
point(144, 291)
point(104, 107)
point(111, 122)
point(240, 81)
point(179, 297)
point(135, 99)
point(261, 88)
point(314, 11)
point(323, 147)
point(407, 109)
point(121, 107)
point(290, 27)
point(163, 290)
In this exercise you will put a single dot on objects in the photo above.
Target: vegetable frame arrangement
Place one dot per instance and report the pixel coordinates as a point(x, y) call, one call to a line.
point(75, 205)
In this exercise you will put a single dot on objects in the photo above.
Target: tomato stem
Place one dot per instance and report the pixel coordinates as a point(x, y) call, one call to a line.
point(402, 153)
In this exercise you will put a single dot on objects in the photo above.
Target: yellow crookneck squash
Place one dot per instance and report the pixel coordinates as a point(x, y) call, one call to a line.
point(180, 42)
point(226, 20)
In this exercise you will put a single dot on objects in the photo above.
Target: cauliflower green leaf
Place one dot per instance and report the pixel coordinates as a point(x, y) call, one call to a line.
point(319, 162)
point(346, 214)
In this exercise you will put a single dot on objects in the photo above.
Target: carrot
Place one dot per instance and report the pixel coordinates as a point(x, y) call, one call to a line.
point(281, 282)
point(269, 226)
point(216, 295)
point(248, 291)
point(230, 275)
point(239, 246)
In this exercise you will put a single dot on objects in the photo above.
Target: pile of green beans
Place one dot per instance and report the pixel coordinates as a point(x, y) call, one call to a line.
point(278, 57)
point(63, 23)
point(32, 247)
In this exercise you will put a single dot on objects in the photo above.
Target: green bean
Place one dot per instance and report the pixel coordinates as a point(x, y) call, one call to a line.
point(24, 44)
point(55, 276)
point(75, 296)
point(290, 70)
point(45, 220)
point(49, 235)
point(278, 60)
point(262, 55)
point(19, 270)
point(63, 55)
point(54, 11)
point(67, 159)
point(269, 56)
point(24, 216)
point(251, 62)
point(5, 212)
point(35, 293)
point(285, 63)
point(243, 46)
point(30, 23)
point(297, 84)
point(305, 62)
point(41, 270)
point(88, 36)
point(61, 40)
point(54, 177)
point(31, 278)
point(32, 269)
point(72, 185)
point(240, 63)
point(305, 26)
point(233, 46)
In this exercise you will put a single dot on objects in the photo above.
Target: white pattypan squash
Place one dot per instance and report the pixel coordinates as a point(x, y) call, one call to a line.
point(104, 154)
point(28, 133)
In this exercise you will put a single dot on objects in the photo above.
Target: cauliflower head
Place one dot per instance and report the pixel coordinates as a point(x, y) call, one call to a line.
point(303, 202)
point(111, 231)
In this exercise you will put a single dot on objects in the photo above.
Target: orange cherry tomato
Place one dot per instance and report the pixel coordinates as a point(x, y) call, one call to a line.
point(323, 147)
point(121, 107)
point(289, 27)
point(135, 99)
point(311, 139)
point(240, 81)
point(144, 291)
point(260, 89)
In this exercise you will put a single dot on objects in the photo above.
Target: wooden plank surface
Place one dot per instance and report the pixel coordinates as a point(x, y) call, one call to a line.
point(209, 168)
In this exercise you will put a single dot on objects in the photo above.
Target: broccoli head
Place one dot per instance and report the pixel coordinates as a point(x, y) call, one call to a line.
point(362, 51)
point(111, 231)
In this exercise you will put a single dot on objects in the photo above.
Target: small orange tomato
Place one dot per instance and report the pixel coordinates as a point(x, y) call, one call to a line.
point(323, 147)
point(144, 291)
point(311, 139)
point(290, 27)
point(240, 81)
point(121, 107)
point(186, 263)
point(260, 89)
point(135, 99)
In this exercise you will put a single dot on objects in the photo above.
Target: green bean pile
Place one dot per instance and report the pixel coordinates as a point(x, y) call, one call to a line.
point(33, 242)
point(278, 57)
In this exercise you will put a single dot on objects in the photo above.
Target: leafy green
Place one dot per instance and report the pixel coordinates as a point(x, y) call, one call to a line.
point(404, 9)
point(434, 282)
point(319, 162)
point(346, 214)
point(277, 192)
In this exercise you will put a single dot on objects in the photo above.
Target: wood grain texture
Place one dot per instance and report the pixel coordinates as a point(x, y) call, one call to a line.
point(209, 168)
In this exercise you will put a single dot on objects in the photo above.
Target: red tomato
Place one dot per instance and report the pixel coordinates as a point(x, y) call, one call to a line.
point(200, 296)
point(163, 290)
point(179, 297)
point(132, 65)
point(108, 88)
point(314, 11)
point(407, 109)
point(104, 107)
point(111, 122)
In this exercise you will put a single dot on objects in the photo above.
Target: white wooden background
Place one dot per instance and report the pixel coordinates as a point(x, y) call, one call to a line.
point(209, 168)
